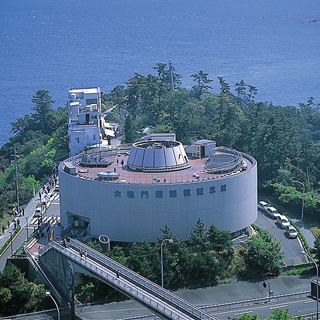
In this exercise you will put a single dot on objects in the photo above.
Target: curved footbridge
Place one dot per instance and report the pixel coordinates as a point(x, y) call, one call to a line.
point(86, 260)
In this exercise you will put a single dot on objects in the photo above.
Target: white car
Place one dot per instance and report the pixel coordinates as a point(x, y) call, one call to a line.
point(272, 212)
point(262, 205)
point(283, 221)
point(291, 231)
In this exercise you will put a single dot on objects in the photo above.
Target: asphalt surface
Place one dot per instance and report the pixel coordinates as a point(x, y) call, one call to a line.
point(232, 292)
point(303, 228)
point(29, 220)
point(291, 247)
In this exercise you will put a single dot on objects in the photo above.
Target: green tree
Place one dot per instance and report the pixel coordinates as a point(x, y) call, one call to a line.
point(316, 249)
point(144, 260)
point(86, 294)
point(205, 268)
point(224, 86)
point(202, 80)
point(264, 256)
point(43, 108)
point(176, 260)
point(240, 88)
point(279, 314)
point(199, 241)
point(129, 131)
point(219, 239)
point(248, 316)
point(118, 255)
point(17, 294)
point(252, 92)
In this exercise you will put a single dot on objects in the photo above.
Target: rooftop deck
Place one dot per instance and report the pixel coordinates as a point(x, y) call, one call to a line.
point(110, 160)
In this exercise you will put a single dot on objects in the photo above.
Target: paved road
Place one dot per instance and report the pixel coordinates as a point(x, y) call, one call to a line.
point(223, 293)
point(304, 229)
point(291, 247)
point(302, 306)
point(29, 211)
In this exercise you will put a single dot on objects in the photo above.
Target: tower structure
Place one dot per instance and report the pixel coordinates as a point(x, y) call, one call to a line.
point(86, 125)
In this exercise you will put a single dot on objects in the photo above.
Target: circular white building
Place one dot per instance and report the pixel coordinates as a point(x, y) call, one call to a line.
point(129, 193)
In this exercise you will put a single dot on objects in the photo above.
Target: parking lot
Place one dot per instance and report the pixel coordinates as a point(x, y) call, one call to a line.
point(292, 247)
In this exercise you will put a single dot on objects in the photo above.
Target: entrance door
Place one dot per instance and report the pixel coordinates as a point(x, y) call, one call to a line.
point(203, 151)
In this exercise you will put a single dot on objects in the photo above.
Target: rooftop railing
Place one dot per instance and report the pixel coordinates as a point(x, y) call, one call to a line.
point(106, 159)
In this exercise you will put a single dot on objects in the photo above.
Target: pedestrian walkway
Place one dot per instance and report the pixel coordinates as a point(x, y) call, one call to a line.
point(29, 211)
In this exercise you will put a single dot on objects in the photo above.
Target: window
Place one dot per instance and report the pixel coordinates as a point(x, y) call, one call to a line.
point(91, 101)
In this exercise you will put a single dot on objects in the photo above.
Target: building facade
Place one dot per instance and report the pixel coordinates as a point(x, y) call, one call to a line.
point(86, 125)
point(129, 193)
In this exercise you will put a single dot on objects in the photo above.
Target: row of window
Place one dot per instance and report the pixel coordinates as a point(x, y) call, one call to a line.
point(172, 193)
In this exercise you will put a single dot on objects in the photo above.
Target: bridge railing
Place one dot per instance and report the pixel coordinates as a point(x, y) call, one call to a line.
point(142, 281)
point(157, 291)
point(45, 279)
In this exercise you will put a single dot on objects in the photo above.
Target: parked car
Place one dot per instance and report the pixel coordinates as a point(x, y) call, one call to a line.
point(272, 212)
point(291, 231)
point(262, 205)
point(283, 221)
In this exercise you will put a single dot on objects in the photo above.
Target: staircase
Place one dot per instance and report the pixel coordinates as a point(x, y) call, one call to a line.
point(54, 282)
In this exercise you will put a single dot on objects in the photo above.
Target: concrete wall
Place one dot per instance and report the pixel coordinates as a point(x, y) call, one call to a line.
point(132, 212)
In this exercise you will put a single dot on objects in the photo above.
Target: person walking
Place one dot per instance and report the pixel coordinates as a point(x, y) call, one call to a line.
point(3, 228)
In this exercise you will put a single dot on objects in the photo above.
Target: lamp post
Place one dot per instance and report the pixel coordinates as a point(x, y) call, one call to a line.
point(170, 241)
point(304, 188)
point(48, 294)
point(27, 228)
point(303, 252)
point(11, 240)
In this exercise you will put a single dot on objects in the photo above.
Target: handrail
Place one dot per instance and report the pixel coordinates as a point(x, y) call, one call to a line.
point(241, 302)
point(37, 267)
point(218, 306)
point(141, 280)
point(131, 282)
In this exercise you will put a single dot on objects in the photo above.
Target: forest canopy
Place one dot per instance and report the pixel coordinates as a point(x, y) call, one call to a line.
point(283, 139)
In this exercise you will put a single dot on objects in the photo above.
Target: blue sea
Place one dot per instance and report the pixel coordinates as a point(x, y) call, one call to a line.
point(55, 45)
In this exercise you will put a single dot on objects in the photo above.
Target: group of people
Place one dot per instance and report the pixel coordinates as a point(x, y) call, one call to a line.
point(20, 212)
point(43, 230)
point(83, 253)
point(46, 189)
point(16, 223)
point(122, 162)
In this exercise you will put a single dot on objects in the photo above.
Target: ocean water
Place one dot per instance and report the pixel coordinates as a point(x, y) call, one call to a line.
point(55, 45)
